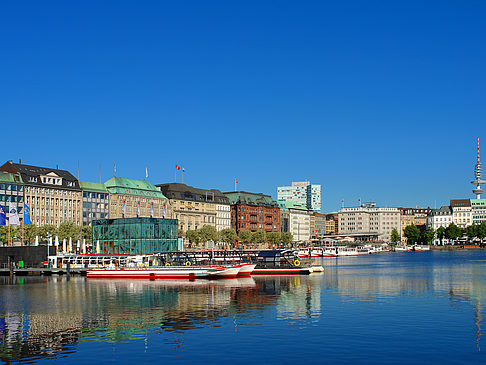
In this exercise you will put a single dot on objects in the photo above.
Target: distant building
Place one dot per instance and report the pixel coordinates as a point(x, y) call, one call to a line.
point(95, 202)
point(439, 218)
point(302, 192)
point(195, 208)
point(130, 198)
point(332, 223)
point(12, 191)
point(368, 221)
point(478, 209)
point(253, 212)
point(462, 212)
point(297, 220)
point(416, 216)
point(53, 195)
point(318, 226)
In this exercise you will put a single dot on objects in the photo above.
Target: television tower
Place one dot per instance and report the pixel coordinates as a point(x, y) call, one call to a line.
point(477, 174)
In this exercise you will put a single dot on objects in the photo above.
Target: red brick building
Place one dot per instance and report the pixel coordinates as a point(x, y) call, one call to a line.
point(253, 212)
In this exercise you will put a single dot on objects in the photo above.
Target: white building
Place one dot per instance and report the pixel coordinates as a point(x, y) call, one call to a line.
point(439, 218)
point(296, 219)
point(462, 212)
point(369, 220)
point(478, 209)
point(302, 192)
point(223, 215)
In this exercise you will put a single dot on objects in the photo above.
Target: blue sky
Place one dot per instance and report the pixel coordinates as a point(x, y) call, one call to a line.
point(376, 100)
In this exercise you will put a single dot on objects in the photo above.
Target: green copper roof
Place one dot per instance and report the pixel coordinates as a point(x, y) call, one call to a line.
point(284, 205)
point(88, 186)
point(121, 185)
point(243, 197)
point(9, 177)
point(478, 202)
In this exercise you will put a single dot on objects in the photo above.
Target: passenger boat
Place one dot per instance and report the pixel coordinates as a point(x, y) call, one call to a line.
point(167, 272)
point(280, 262)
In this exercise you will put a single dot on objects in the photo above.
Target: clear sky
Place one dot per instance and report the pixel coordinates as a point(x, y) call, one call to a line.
point(378, 100)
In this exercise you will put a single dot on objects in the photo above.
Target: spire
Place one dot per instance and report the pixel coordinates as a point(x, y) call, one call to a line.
point(477, 174)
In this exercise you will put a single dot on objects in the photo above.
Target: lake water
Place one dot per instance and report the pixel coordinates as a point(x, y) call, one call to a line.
point(416, 307)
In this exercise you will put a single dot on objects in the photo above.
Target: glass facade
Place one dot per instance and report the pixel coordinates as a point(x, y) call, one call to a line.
point(138, 236)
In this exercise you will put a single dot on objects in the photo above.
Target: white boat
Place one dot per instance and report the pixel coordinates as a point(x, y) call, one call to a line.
point(246, 269)
point(403, 248)
point(421, 248)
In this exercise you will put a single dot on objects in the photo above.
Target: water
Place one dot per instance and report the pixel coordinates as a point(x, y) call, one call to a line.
point(411, 307)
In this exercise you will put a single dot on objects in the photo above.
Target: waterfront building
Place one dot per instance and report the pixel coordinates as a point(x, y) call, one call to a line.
point(195, 208)
point(439, 218)
point(478, 210)
point(296, 218)
point(253, 212)
point(53, 195)
point(369, 222)
point(11, 191)
point(135, 236)
point(301, 192)
point(95, 201)
point(416, 216)
point(130, 198)
point(318, 226)
point(461, 212)
point(332, 223)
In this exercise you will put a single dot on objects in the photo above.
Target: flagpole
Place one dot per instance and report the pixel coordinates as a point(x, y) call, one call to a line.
point(22, 230)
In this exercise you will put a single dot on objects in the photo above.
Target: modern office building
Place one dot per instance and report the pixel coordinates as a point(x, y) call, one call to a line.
point(253, 212)
point(478, 209)
point(369, 222)
point(296, 219)
point(302, 192)
point(130, 198)
point(135, 236)
point(95, 202)
point(53, 195)
point(11, 192)
point(195, 208)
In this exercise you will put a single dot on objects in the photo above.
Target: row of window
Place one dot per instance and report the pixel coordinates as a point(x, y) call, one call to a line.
point(87, 194)
point(11, 187)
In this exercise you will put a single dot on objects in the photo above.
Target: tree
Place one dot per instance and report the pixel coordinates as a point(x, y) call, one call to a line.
point(208, 233)
point(274, 238)
point(68, 230)
point(412, 233)
point(4, 235)
point(193, 236)
point(259, 237)
point(472, 231)
point(482, 231)
point(88, 233)
point(287, 238)
point(46, 231)
point(395, 237)
point(440, 233)
point(30, 231)
point(245, 236)
point(428, 235)
point(453, 232)
point(228, 236)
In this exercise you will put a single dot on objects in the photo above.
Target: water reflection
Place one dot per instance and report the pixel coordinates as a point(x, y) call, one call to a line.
point(51, 317)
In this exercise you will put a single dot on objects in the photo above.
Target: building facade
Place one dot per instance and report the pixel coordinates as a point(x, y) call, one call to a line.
point(461, 212)
point(96, 202)
point(129, 198)
point(332, 223)
point(11, 192)
point(478, 209)
point(439, 218)
point(253, 212)
point(299, 220)
point(302, 192)
point(369, 220)
point(416, 216)
point(53, 195)
point(195, 208)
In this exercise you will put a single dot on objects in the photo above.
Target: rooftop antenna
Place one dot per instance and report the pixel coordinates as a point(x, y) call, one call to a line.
point(114, 170)
point(477, 174)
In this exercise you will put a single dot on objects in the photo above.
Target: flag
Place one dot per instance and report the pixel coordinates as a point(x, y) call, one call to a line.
point(163, 212)
point(152, 210)
point(3, 217)
point(236, 181)
point(13, 217)
point(26, 214)
point(123, 208)
point(138, 209)
point(177, 167)
point(146, 173)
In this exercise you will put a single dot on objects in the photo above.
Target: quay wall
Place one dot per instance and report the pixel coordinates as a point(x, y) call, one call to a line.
point(32, 256)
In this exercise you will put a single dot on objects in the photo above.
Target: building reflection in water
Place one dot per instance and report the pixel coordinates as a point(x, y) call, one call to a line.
point(50, 317)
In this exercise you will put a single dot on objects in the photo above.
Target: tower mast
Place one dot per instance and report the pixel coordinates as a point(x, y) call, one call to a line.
point(477, 174)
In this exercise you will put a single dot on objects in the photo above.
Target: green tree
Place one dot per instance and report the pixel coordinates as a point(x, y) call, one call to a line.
point(259, 237)
point(274, 238)
point(287, 237)
point(412, 233)
point(68, 230)
point(440, 233)
point(4, 235)
point(46, 231)
point(208, 233)
point(193, 236)
point(395, 237)
point(88, 233)
point(482, 231)
point(427, 235)
point(453, 232)
point(30, 232)
point(245, 236)
point(228, 236)
point(472, 231)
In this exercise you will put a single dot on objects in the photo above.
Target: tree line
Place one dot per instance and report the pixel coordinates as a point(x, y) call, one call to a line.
point(65, 230)
point(421, 234)
point(229, 236)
